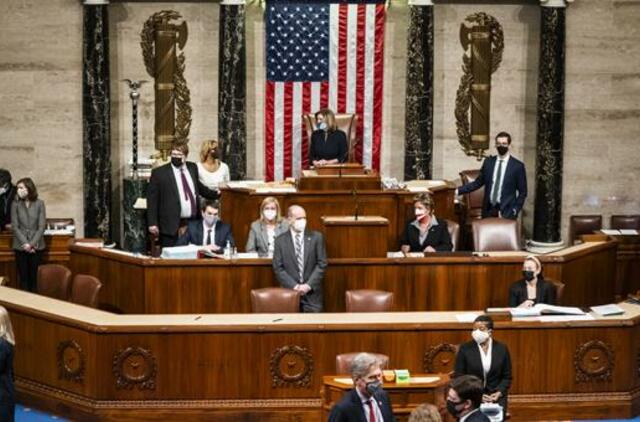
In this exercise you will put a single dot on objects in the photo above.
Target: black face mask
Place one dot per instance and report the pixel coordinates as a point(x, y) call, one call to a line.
point(502, 150)
point(528, 275)
point(176, 161)
point(451, 408)
point(213, 153)
point(374, 387)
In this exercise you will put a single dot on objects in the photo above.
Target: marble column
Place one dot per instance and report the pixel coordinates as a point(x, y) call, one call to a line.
point(419, 103)
point(135, 220)
point(549, 142)
point(232, 104)
point(96, 120)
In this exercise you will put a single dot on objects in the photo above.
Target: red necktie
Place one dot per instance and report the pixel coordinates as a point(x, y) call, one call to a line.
point(187, 192)
point(372, 413)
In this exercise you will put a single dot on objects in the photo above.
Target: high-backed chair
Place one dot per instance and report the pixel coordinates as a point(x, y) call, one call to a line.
point(495, 234)
point(275, 300)
point(59, 223)
point(472, 201)
point(559, 285)
point(343, 362)
point(346, 122)
point(4, 281)
point(85, 290)
point(454, 232)
point(54, 281)
point(368, 301)
point(631, 222)
point(583, 224)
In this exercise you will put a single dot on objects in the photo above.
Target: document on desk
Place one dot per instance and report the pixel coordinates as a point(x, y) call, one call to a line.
point(467, 317)
point(544, 309)
point(565, 318)
point(610, 232)
point(628, 231)
point(608, 310)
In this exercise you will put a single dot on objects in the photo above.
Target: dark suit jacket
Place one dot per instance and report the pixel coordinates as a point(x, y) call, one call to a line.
point(545, 292)
point(163, 202)
point(5, 206)
point(514, 187)
point(285, 266)
point(349, 408)
point(195, 234)
point(477, 416)
point(335, 147)
point(438, 237)
point(7, 394)
point(468, 362)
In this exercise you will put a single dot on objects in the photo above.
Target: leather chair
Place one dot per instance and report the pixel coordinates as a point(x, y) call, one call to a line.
point(343, 362)
point(495, 234)
point(59, 223)
point(346, 122)
point(631, 222)
point(4, 281)
point(559, 285)
point(275, 300)
point(472, 201)
point(454, 232)
point(84, 290)
point(368, 301)
point(583, 224)
point(54, 281)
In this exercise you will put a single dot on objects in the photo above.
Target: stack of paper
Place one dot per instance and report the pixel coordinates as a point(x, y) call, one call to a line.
point(181, 252)
point(607, 310)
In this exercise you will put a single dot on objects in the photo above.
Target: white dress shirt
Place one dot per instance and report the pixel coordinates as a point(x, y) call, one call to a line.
point(486, 359)
point(497, 184)
point(365, 407)
point(271, 235)
point(205, 229)
point(185, 204)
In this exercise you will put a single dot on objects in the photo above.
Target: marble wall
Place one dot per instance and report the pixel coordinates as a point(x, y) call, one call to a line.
point(41, 114)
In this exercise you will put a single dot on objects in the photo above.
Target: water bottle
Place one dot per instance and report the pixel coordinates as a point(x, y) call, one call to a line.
point(227, 250)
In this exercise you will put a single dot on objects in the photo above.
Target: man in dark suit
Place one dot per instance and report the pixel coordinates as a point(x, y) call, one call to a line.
point(211, 232)
point(464, 398)
point(300, 259)
point(505, 182)
point(7, 195)
point(172, 196)
point(367, 402)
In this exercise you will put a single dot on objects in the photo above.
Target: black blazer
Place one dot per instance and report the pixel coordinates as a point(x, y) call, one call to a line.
point(545, 292)
point(469, 362)
point(163, 202)
point(7, 394)
point(335, 147)
point(514, 187)
point(438, 237)
point(195, 234)
point(5, 206)
point(349, 408)
point(477, 416)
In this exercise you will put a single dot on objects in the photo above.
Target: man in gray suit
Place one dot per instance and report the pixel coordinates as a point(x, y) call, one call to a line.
point(299, 260)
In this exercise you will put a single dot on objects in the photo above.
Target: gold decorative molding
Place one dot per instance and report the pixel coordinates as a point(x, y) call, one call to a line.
point(440, 359)
point(135, 366)
point(291, 366)
point(71, 361)
point(593, 361)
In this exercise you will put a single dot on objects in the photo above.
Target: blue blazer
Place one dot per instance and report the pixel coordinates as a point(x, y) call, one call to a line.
point(514, 187)
point(350, 409)
point(195, 234)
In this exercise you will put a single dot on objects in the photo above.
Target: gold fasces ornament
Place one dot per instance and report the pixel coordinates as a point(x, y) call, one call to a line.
point(482, 39)
point(160, 39)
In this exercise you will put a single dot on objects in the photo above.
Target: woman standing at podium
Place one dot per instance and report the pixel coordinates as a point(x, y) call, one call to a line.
point(212, 172)
point(328, 143)
point(425, 233)
point(266, 228)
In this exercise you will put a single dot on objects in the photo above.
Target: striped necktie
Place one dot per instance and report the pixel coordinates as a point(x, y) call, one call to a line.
point(299, 255)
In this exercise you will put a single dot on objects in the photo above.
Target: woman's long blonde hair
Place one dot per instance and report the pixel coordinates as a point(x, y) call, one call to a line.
point(6, 329)
point(207, 146)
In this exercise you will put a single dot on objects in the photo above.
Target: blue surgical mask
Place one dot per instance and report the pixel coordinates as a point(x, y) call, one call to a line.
point(322, 126)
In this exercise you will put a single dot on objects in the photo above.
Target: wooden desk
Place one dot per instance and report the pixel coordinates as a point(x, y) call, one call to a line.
point(240, 207)
point(87, 364)
point(439, 282)
point(57, 252)
point(628, 265)
point(404, 397)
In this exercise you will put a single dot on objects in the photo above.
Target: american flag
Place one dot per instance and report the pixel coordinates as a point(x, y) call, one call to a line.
point(321, 54)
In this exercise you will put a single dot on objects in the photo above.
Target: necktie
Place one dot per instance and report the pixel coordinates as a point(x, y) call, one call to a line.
point(299, 255)
point(496, 184)
point(208, 237)
point(187, 192)
point(372, 413)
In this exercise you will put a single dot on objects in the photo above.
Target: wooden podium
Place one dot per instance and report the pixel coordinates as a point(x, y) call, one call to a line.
point(348, 237)
point(423, 388)
point(347, 176)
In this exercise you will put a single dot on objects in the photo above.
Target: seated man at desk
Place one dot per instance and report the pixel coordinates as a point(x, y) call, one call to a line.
point(425, 233)
point(328, 143)
point(209, 232)
point(367, 401)
point(300, 259)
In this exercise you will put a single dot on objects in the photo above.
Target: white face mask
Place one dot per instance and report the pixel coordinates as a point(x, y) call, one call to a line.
point(480, 336)
point(300, 224)
point(269, 214)
point(210, 219)
point(419, 213)
point(322, 126)
point(3, 190)
point(22, 193)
